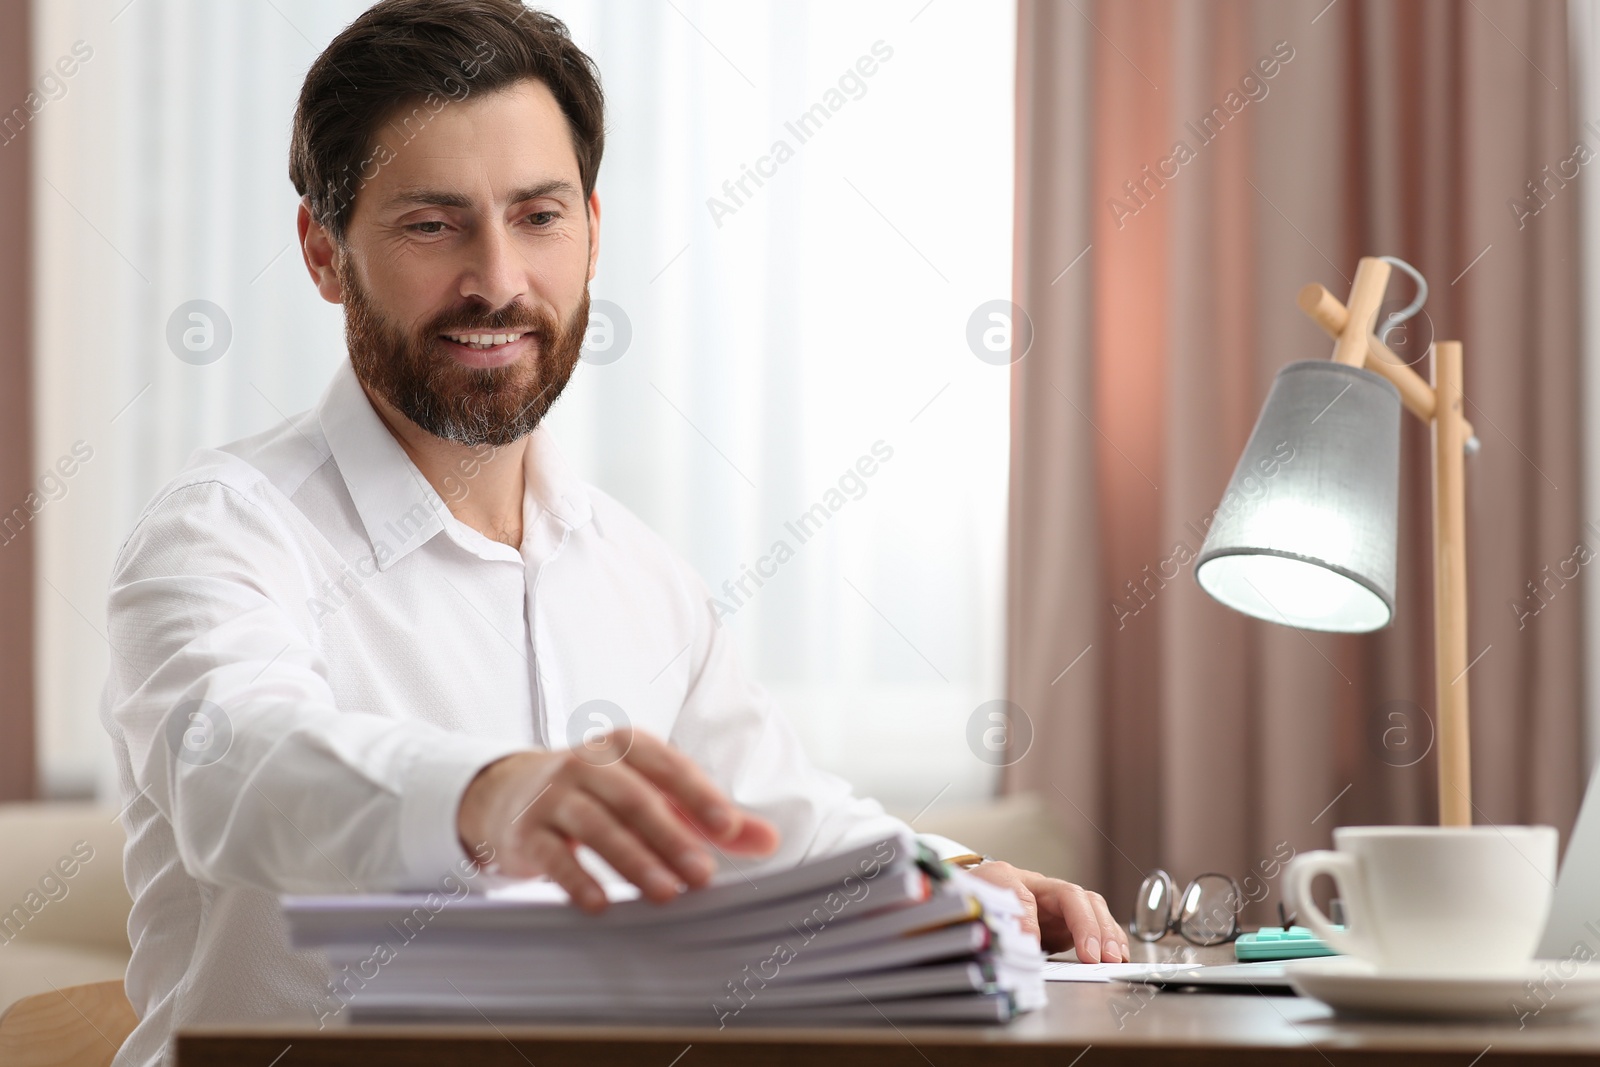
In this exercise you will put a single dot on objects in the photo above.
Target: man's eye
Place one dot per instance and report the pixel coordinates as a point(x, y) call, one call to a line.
point(417, 227)
point(543, 218)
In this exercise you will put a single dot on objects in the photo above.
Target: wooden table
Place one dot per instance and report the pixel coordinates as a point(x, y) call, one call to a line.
point(1090, 1025)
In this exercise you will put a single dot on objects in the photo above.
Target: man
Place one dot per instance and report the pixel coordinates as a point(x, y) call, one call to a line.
point(380, 643)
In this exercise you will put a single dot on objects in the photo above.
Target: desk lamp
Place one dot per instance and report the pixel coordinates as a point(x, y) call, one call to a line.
point(1305, 535)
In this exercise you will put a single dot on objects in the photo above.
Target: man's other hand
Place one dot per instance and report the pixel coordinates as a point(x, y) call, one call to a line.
point(1060, 914)
point(642, 805)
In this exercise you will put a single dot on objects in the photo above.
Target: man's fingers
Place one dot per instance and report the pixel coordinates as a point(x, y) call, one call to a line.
point(554, 856)
point(756, 836)
point(1012, 878)
point(1116, 928)
point(638, 804)
point(588, 821)
point(1075, 917)
point(1003, 874)
point(695, 796)
point(1030, 910)
point(641, 805)
point(1089, 934)
point(1112, 934)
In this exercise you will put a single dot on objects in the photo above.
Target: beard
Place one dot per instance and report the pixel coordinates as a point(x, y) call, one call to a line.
point(470, 405)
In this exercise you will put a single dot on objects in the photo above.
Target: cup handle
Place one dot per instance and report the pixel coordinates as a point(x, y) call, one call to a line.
point(1345, 870)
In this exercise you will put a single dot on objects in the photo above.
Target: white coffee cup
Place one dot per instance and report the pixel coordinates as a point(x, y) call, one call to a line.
point(1431, 899)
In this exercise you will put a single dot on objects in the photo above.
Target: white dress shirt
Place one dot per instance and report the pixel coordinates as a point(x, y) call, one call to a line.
point(355, 654)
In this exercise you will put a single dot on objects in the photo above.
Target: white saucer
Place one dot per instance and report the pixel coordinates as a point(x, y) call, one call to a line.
point(1538, 990)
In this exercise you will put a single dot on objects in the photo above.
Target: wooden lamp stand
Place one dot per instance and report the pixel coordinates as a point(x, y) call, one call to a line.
point(1439, 405)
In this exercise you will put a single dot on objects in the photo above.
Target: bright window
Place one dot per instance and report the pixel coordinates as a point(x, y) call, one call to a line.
point(789, 311)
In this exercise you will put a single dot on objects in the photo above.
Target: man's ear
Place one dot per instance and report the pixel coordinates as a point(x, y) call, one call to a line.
point(594, 232)
point(321, 255)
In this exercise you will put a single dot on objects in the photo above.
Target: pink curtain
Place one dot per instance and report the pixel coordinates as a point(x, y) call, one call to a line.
point(1183, 168)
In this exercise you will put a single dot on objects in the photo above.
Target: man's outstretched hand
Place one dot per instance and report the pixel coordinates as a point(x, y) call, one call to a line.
point(1062, 915)
point(642, 805)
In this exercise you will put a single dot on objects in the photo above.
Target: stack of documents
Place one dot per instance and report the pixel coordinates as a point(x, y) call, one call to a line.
point(880, 933)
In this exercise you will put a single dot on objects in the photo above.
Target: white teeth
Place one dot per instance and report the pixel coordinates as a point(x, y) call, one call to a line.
point(483, 340)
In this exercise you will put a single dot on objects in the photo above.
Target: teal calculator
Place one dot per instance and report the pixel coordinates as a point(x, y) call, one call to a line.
point(1280, 943)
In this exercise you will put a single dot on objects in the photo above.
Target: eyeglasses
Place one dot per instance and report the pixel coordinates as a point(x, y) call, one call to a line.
point(1206, 913)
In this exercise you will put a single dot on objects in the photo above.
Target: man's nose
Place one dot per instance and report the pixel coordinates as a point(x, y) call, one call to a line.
point(498, 273)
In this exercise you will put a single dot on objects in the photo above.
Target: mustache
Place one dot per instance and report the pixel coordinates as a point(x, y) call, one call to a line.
point(514, 319)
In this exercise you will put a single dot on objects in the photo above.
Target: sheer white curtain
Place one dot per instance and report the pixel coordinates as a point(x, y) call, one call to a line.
point(796, 324)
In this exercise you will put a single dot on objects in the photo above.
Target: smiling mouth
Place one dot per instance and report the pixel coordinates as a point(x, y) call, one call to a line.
point(484, 341)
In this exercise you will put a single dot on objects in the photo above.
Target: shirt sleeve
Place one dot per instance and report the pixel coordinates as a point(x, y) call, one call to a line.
point(232, 729)
point(731, 727)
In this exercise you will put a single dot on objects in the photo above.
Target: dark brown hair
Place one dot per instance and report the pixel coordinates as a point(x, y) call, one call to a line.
point(425, 54)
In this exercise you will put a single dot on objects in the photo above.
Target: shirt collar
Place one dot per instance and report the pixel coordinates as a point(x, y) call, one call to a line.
point(552, 485)
point(399, 510)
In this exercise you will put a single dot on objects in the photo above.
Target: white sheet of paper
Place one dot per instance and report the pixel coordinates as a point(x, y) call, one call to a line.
point(1067, 971)
point(543, 891)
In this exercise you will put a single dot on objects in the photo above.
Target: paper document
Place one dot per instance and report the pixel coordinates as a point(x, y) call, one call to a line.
point(880, 933)
point(1067, 971)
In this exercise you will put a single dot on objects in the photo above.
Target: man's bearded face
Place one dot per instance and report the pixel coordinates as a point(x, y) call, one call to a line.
point(419, 375)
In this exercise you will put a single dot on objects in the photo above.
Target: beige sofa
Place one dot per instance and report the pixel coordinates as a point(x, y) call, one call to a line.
point(63, 904)
point(1019, 829)
point(64, 907)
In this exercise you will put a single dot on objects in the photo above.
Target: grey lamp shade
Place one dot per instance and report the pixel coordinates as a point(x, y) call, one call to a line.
point(1305, 535)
